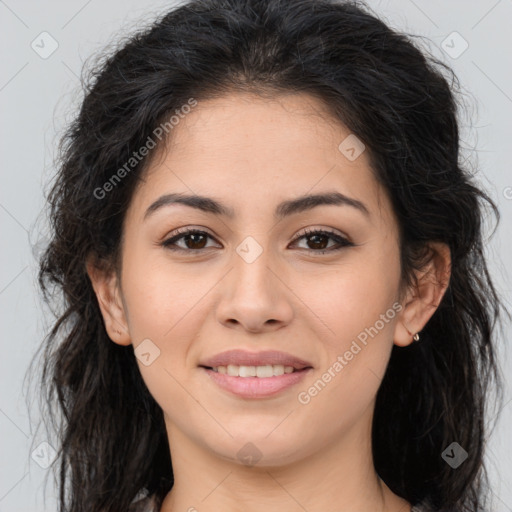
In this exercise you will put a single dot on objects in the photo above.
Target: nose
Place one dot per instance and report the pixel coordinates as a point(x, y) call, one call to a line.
point(255, 296)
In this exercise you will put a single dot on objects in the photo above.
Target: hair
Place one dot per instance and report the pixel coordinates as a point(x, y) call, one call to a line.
point(394, 96)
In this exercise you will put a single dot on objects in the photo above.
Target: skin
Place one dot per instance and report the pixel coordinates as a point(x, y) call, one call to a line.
point(250, 154)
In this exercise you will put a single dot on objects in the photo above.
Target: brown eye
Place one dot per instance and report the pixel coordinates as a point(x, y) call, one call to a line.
point(193, 239)
point(318, 241)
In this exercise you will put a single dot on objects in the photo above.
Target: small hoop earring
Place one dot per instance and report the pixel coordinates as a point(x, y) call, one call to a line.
point(416, 337)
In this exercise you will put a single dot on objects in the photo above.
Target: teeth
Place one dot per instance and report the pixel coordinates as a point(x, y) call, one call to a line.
point(268, 370)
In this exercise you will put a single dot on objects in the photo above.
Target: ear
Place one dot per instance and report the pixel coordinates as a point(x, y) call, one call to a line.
point(423, 298)
point(108, 292)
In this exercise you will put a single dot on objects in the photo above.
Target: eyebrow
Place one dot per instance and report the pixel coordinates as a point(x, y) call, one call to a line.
point(284, 209)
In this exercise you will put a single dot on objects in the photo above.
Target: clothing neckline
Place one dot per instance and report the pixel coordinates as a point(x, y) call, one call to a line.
point(149, 504)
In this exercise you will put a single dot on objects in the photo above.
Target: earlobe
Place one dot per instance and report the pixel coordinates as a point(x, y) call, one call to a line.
point(107, 290)
point(424, 298)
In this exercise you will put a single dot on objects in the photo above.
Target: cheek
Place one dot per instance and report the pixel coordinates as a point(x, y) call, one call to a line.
point(353, 296)
point(360, 312)
point(157, 294)
point(166, 304)
point(358, 305)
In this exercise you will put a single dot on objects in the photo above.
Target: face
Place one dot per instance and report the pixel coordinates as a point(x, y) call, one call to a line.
point(317, 281)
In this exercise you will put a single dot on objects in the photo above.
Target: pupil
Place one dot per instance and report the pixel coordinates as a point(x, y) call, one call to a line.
point(316, 242)
point(192, 236)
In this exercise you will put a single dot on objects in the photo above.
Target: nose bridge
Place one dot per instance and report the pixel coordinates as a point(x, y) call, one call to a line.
point(253, 295)
point(252, 262)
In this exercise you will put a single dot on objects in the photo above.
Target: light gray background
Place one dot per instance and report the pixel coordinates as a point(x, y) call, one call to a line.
point(39, 96)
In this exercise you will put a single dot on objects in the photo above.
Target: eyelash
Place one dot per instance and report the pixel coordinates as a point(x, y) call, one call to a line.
point(340, 240)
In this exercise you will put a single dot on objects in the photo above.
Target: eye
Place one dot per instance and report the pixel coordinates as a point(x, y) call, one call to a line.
point(195, 240)
point(319, 238)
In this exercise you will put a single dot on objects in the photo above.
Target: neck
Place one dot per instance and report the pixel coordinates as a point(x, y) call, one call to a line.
point(340, 475)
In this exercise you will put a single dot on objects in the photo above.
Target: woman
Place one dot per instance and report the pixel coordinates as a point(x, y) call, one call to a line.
point(272, 265)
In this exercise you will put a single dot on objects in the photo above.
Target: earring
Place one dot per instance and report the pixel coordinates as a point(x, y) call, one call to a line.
point(416, 337)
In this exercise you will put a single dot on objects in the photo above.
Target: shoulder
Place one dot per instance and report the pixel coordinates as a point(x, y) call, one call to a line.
point(147, 504)
point(424, 507)
point(420, 507)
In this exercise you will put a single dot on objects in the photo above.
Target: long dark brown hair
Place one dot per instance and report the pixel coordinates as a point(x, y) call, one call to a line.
point(398, 99)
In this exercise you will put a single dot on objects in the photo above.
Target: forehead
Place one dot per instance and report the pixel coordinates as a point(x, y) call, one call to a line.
point(242, 146)
point(255, 124)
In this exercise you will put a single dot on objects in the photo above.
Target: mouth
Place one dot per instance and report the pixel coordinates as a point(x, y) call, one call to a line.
point(264, 364)
point(253, 375)
point(260, 372)
point(251, 386)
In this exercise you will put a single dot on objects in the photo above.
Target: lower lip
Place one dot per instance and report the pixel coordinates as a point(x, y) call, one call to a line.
point(256, 387)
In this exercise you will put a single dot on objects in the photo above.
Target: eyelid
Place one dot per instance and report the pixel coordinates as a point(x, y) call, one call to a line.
point(179, 233)
point(341, 240)
point(326, 231)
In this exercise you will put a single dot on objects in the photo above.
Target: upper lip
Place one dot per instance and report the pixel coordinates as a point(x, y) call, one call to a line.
point(244, 358)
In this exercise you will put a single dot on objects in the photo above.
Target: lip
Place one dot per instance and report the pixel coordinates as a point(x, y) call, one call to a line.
point(239, 357)
point(256, 387)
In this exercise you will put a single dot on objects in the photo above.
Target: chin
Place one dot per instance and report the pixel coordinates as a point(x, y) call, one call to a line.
point(260, 451)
